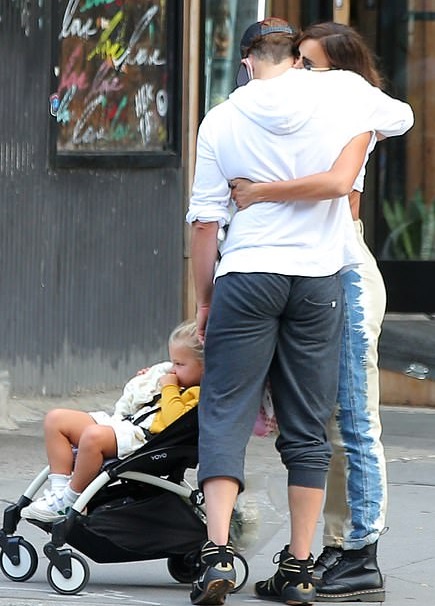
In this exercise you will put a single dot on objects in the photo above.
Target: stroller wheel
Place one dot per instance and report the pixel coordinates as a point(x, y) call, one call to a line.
point(180, 569)
point(77, 581)
point(27, 565)
point(242, 572)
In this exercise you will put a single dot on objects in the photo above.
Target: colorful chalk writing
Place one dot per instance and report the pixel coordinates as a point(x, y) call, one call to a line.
point(113, 75)
point(93, 3)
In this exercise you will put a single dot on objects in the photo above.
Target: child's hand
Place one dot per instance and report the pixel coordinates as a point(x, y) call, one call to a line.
point(142, 371)
point(169, 379)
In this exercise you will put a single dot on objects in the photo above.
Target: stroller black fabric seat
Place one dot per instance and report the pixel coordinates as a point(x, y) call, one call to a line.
point(176, 447)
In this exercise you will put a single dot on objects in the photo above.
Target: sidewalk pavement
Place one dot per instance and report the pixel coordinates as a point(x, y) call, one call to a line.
point(406, 551)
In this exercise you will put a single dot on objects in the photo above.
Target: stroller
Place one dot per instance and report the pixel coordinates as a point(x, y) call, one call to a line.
point(139, 508)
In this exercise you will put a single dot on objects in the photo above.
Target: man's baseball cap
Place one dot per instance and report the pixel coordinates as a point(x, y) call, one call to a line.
point(255, 32)
point(260, 29)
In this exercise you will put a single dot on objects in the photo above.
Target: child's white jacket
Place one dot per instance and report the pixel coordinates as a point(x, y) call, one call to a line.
point(141, 390)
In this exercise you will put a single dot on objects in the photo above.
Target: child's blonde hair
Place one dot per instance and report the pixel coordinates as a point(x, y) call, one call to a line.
point(187, 334)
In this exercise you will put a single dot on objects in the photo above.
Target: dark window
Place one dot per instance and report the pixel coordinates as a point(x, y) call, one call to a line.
point(405, 237)
point(116, 74)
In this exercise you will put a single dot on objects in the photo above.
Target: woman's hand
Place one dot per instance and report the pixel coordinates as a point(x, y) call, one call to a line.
point(243, 192)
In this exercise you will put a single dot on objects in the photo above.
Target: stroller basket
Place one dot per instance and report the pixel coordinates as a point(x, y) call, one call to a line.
point(124, 530)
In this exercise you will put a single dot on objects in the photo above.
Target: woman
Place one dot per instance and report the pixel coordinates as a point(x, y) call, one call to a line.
point(356, 495)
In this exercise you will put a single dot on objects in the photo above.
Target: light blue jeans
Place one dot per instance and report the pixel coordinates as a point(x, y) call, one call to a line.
point(356, 496)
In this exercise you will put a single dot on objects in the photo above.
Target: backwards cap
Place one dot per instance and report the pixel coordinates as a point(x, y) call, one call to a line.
point(259, 29)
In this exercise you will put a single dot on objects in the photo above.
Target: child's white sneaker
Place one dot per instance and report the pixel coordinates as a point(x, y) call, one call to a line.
point(48, 508)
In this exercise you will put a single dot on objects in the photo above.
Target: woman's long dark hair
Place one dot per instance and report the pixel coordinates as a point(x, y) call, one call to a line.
point(345, 49)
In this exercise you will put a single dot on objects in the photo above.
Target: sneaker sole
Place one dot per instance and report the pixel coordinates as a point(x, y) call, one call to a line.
point(297, 597)
point(215, 593)
point(41, 518)
point(367, 595)
point(294, 597)
point(44, 519)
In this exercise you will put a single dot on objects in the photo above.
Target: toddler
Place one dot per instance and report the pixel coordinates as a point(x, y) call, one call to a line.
point(151, 401)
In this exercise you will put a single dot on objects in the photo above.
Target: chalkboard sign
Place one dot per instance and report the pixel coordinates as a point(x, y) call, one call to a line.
point(115, 98)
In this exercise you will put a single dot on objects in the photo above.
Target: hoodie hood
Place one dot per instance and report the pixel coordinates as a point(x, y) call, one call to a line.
point(269, 103)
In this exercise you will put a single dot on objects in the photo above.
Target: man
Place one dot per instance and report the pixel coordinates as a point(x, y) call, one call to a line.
point(276, 306)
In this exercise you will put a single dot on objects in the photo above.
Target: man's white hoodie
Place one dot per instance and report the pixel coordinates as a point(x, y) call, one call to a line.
point(277, 129)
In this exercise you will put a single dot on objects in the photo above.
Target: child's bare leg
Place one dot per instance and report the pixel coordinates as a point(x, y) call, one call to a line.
point(62, 429)
point(97, 442)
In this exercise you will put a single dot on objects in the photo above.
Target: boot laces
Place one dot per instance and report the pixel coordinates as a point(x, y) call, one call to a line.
point(326, 553)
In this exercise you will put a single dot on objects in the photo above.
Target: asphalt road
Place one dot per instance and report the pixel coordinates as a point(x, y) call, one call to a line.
point(407, 550)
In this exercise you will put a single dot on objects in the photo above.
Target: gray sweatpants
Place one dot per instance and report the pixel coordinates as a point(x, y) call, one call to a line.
point(287, 327)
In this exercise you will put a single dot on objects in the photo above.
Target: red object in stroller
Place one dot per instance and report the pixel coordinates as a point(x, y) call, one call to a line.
point(140, 508)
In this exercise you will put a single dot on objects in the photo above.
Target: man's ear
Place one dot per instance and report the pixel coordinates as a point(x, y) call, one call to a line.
point(245, 72)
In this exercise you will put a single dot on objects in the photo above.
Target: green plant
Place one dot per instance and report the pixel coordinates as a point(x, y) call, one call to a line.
point(412, 229)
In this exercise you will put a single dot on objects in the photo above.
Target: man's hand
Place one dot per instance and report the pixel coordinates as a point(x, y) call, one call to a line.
point(201, 321)
point(204, 255)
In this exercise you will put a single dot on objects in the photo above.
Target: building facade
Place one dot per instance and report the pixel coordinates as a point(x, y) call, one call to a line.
point(100, 103)
point(91, 196)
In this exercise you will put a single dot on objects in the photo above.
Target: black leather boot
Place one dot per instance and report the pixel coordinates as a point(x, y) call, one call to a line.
point(326, 560)
point(354, 578)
